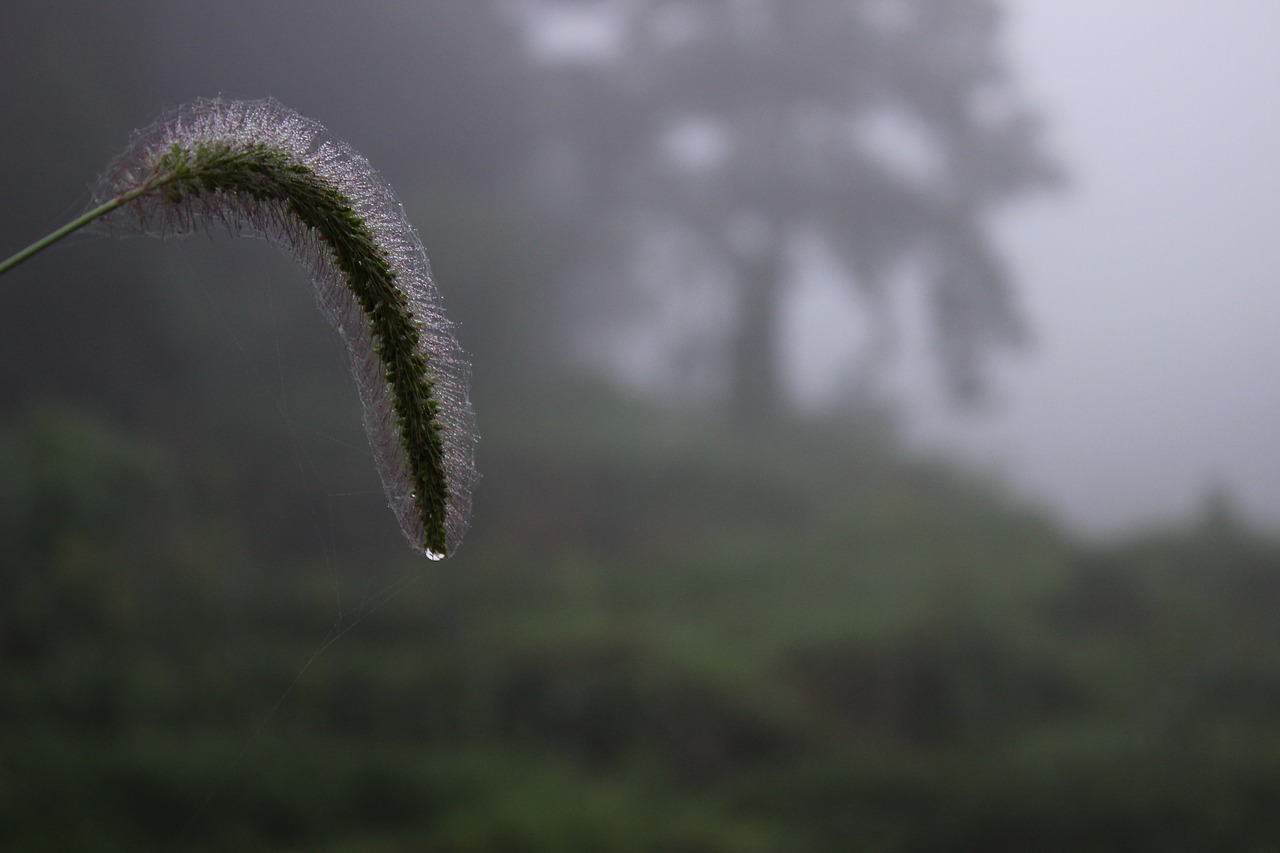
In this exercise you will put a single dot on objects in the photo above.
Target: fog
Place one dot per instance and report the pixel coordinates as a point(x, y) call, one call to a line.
point(1149, 281)
point(740, 282)
point(1152, 283)
point(1146, 281)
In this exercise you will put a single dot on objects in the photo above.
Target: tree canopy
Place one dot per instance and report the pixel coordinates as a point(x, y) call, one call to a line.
point(887, 129)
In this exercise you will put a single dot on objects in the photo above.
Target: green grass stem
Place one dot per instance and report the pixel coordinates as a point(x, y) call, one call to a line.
point(73, 226)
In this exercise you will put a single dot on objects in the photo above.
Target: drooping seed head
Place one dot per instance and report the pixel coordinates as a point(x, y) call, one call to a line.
point(258, 168)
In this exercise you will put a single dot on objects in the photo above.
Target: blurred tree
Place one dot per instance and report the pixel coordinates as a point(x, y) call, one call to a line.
point(886, 129)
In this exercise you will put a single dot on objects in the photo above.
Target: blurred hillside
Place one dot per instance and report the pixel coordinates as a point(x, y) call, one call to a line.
point(663, 635)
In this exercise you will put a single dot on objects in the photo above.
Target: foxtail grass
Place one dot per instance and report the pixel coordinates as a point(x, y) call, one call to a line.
point(260, 169)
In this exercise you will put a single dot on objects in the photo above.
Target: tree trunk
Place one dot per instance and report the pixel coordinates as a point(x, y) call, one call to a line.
point(756, 392)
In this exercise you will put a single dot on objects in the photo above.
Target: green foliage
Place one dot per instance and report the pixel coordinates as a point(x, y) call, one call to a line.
point(664, 636)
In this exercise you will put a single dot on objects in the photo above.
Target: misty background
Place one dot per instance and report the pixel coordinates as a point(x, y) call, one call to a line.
point(1143, 282)
point(876, 435)
point(1151, 282)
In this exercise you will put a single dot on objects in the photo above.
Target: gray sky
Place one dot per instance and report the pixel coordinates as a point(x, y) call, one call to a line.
point(1154, 282)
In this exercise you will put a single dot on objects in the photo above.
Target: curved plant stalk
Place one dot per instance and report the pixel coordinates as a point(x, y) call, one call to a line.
point(260, 169)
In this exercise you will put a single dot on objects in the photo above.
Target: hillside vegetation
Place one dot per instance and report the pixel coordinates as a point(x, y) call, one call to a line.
point(661, 635)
